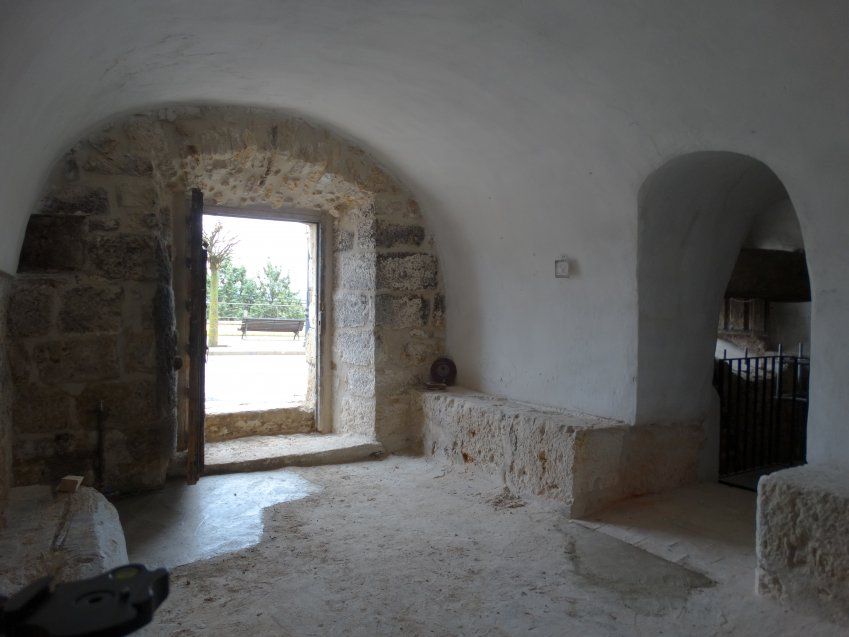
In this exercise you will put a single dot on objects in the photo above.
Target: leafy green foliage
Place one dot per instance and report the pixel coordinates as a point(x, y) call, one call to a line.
point(267, 295)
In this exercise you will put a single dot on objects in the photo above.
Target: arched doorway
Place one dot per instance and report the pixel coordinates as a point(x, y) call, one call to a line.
point(762, 356)
point(103, 272)
point(696, 213)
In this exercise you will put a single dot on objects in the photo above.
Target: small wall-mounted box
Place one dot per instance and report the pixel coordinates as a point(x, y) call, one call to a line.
point(561, 268)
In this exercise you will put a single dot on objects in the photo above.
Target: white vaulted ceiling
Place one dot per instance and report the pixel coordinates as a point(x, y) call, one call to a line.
point(525, 129)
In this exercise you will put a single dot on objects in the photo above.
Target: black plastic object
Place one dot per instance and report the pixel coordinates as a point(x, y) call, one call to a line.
point(444, 371)
point(116, 603)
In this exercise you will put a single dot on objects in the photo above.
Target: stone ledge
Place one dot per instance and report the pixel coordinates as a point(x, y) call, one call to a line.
point(68, 536)
point(584, 461)
point(802, 541)
point(264, 422)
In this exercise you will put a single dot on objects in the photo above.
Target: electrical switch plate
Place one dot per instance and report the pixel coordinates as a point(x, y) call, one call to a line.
point(561, 268)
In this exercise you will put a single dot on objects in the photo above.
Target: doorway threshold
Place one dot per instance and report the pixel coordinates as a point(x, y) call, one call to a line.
point(261, 453)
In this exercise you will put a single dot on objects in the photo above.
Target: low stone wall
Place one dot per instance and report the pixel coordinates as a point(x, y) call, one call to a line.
point(267, 422)
point(583, 461)
point(802, 541)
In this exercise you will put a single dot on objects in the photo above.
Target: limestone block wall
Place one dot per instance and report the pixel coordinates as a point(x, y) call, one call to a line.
point(583, 461)
point(91, 323)
point(5, 399)
point(802, 544)
point(353, 326)
point(389, 312)
point(94, 318)
point(409, 318)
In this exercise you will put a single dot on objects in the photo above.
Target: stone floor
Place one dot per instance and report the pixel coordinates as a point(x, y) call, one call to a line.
point(182, 524)
point(405, 546)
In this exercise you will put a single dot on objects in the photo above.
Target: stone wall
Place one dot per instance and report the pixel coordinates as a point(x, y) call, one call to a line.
point(583, 461)
point(93, 307)
point(267, 422)
point(91, 321)
point(5, 398)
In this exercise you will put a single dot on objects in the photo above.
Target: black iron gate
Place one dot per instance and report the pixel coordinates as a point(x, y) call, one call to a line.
point(763, 415)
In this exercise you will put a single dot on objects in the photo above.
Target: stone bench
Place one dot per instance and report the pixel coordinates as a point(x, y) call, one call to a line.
point(803, 540)
point(67, 535)
point(582, 461)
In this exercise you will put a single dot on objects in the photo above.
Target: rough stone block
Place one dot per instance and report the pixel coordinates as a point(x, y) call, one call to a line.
point(123, 256)
point(406, 271)
point(124, 404)
point(136, 195)
point(31, 309)
point(76, 200)
point(439, 310)
point(87, 308)
point(355, 271)
point(802, 542)
point(99, 224)
point(389, 235)
point(356, 415)
point(355, 348)
point(351, 309)
point(137, 458)
point(358, 381)
point(268, 422)
point(140, 351)
point(116, 163)
point(41, 409)
point(77, 359)
point(401, 311)
point(392, 425)
point(53, 242)
point(20, 362)
point(6, 400)
point(365, 230)
point(344, 240)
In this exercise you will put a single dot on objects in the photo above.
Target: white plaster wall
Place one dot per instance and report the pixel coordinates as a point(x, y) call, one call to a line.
point(789, 325)
point(776, 229)
point(523, 129)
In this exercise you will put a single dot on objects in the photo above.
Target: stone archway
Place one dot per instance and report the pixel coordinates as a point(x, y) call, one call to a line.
point(92, 315)
point(695, 212)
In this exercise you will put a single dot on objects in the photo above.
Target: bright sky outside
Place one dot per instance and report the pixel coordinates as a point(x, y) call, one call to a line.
point(284, 242)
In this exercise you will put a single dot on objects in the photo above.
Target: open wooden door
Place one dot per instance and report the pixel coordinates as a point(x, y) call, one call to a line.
point(197, 339)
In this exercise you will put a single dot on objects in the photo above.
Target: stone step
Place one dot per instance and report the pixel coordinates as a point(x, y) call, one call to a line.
point(259, 453)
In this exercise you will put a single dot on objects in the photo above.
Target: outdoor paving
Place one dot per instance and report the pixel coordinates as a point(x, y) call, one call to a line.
point(254, 374)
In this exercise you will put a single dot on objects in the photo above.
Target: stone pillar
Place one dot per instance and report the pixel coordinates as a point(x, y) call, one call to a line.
point(353, 324)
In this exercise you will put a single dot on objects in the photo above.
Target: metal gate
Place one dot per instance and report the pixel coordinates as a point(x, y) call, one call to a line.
point(763, 415)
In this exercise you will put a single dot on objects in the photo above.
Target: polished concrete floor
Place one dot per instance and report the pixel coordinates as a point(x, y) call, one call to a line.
point(182, 524)
point(406, 546)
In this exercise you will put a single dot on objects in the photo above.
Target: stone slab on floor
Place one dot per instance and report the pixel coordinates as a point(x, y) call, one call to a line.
point(803, 540)
point(69, 536)
point(263, 422)
point(583, 461)
point(261, 453)
point(707, 527)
